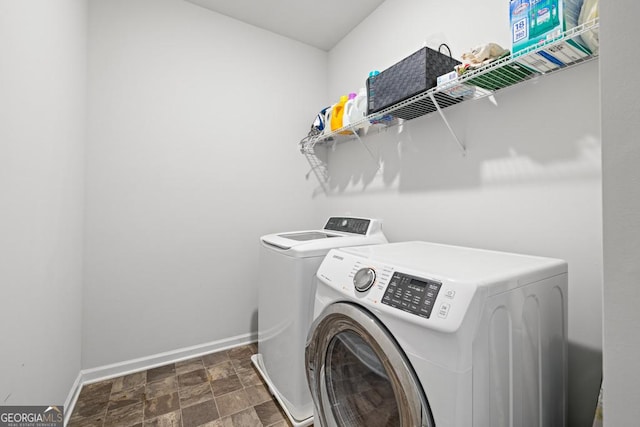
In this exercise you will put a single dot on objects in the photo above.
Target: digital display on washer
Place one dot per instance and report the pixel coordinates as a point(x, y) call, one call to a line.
point(411, 294)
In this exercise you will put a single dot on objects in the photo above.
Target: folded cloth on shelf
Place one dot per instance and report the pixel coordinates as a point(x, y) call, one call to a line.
point(481, 55)
point(461, 69)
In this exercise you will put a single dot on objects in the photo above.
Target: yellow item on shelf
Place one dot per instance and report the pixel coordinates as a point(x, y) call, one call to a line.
point(348, 108)
point(337, 112)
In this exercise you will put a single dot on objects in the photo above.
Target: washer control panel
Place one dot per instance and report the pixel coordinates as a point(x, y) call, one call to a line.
point(348, 225)
point(411, 294)
point(418, 296)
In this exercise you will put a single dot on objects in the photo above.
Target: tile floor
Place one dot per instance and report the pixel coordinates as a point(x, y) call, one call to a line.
point(217, 390)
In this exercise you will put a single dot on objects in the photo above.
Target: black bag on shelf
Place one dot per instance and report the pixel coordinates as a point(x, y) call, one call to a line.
point(412, 76)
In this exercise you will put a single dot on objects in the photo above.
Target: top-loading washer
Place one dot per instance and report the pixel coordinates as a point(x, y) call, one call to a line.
point(288, 264)
point(422, 334)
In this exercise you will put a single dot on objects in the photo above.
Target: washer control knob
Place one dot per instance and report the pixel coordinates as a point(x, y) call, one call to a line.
point(364, 278)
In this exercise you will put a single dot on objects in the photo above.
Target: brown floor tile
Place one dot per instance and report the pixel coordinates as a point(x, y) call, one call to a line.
point(242, 352)
point(125, 416)
point(226, 385)
point(129, 381)
point(161, 373)
point(215, 358)
point(193, 378)
point(245, 418)
point(96, 391)
point(90, 408)
point(91, 421)
point(187, 366)
point(283, 423)
point(126, 397)
point(249, 376)
point(221, 371)
point(196, 394)
point(257, 394)
point(269, 413)
point(242, 363)
point(199, 414)
point(162, 387)
point(161, 405)
point(171, 419)
point(233, 402)
point(215, 423)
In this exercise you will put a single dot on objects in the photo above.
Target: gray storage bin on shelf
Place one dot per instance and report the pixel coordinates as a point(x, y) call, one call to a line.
point(412, 76)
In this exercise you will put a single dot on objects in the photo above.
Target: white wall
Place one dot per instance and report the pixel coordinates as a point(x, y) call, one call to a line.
point(530, 182)
point(192, 155)
point(621, 213)
point(42, 132)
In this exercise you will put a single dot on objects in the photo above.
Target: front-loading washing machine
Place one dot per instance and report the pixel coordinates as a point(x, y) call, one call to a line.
point(423, 334)
point(288, 263)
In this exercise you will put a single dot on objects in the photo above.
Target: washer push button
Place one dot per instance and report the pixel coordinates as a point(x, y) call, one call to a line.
point(443, 311)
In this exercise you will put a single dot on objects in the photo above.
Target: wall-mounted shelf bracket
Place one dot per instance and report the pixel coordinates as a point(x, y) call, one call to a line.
point(446, 122)
point(375, 159)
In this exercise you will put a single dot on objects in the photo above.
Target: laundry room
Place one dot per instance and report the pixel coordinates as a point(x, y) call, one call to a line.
point(146, 146)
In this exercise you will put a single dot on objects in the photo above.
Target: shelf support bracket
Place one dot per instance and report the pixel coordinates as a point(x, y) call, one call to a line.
point(375, 159)
point(318, 167)
point(446, 122)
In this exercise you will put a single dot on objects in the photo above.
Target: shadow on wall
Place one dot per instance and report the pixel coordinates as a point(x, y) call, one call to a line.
point(520, 135)
point(585, 375)
point(254, 321)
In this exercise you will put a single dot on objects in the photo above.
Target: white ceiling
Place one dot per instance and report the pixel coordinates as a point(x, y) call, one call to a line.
point(317, 23)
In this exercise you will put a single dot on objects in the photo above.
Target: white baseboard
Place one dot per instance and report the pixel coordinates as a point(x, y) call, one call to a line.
point(72, 398)
point(101, 373)
point(119, 369)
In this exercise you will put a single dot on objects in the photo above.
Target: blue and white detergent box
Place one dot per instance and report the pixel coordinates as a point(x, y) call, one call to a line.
point(553, 57)
point(534, 22)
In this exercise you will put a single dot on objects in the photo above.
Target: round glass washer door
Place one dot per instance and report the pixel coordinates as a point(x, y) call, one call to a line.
point(358, 375)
